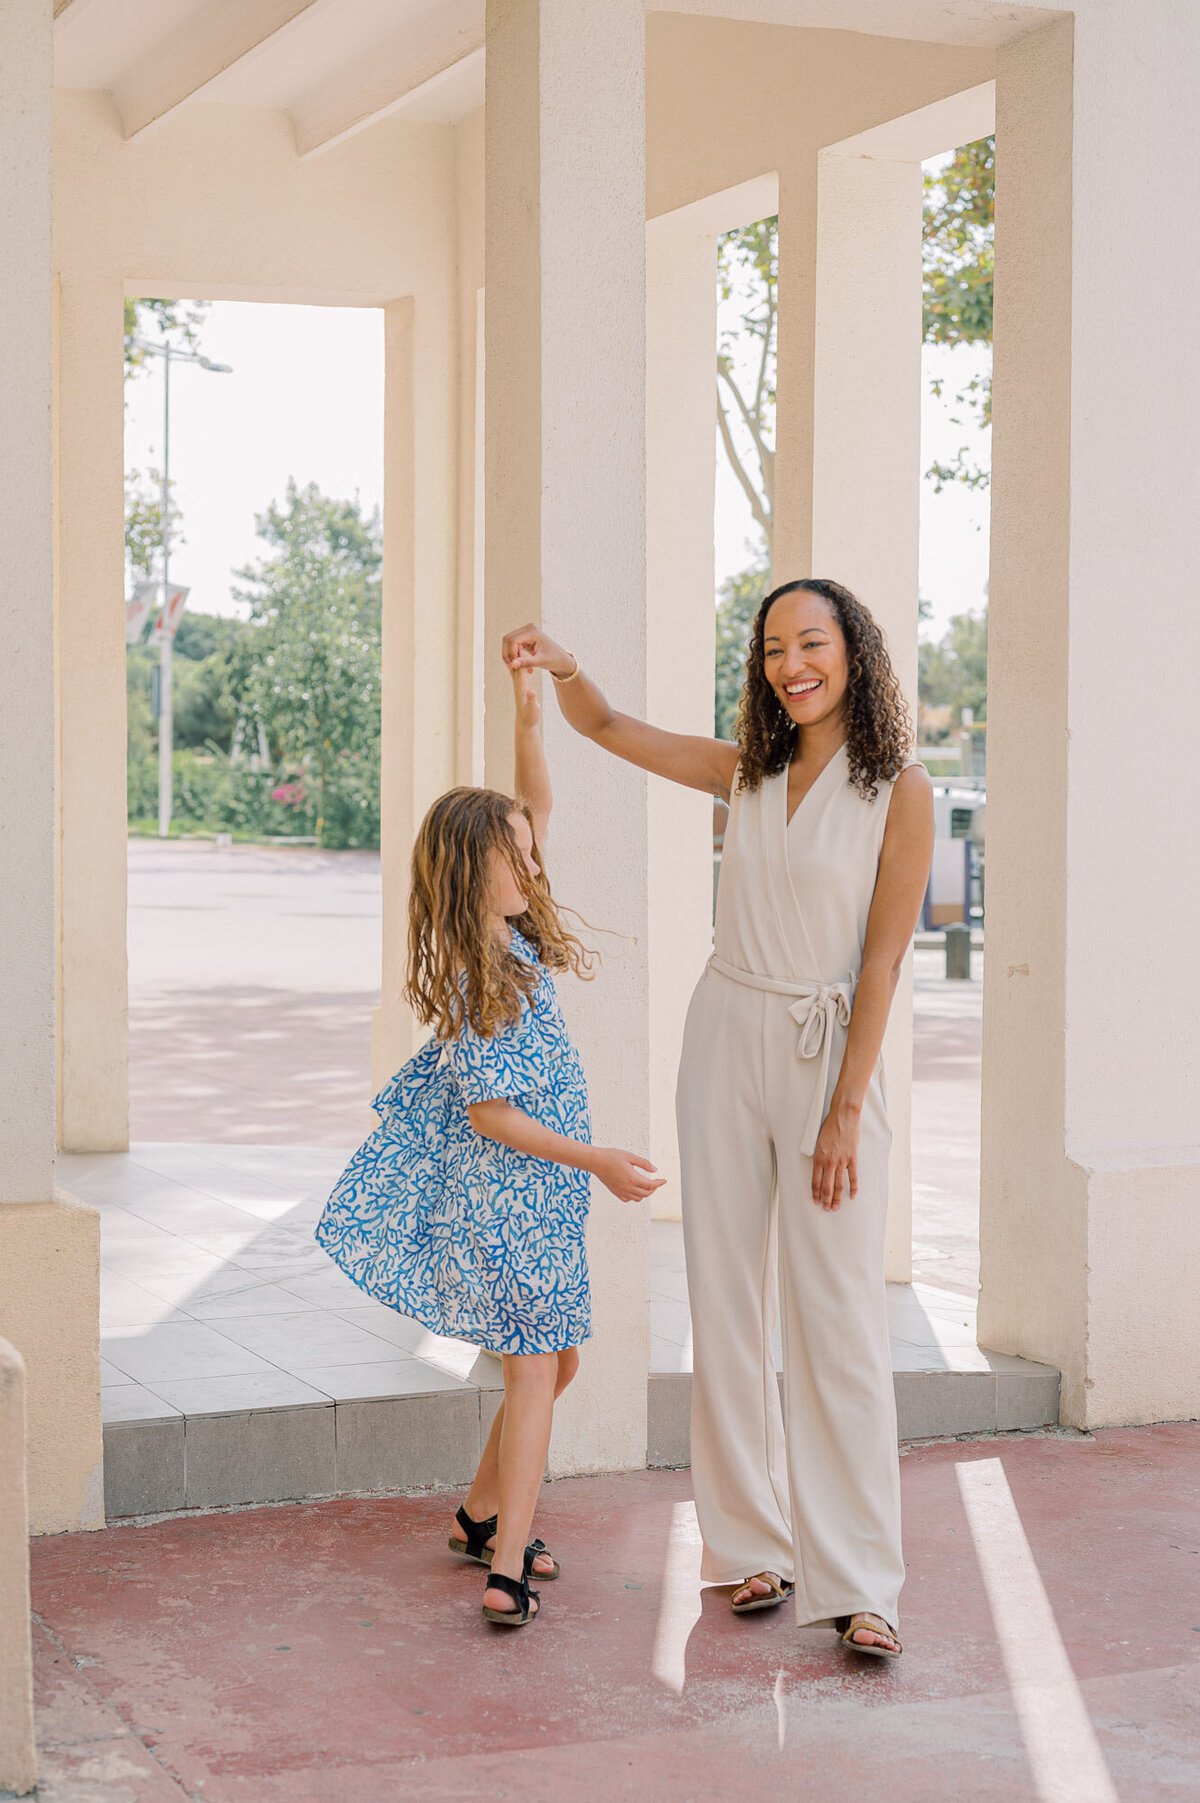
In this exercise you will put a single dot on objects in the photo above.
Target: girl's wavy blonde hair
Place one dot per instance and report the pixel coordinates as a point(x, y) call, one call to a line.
point(457, 969)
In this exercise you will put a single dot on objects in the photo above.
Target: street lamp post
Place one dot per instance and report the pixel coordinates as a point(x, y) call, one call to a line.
point(166, 639)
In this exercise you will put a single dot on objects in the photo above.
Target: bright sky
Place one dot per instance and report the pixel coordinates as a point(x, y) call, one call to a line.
point(306, 399)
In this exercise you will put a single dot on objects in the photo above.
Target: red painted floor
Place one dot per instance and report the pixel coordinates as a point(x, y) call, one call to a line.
point(334, 1653)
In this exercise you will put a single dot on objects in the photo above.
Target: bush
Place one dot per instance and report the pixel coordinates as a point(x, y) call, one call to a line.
point(212, 795)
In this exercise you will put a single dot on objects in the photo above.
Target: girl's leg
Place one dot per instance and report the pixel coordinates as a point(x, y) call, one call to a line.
point(484, 1495)
point(530, 1382)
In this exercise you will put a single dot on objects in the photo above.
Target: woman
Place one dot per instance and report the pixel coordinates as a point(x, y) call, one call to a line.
point(782, 1121)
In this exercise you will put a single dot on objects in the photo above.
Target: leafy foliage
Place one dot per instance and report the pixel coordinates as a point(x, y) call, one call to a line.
point(958, 261)
point(311, 660)
point(952, 674)
point(164, 319)
point(737, 605)
point(748, 271)
point(144, 523)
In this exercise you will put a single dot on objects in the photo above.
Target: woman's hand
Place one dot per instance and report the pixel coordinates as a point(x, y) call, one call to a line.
point(835, 1161)
point(623, 1173)
point(530, 648)
point(529, 708)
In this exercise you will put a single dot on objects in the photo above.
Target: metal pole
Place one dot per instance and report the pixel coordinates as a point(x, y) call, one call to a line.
point(166, 716)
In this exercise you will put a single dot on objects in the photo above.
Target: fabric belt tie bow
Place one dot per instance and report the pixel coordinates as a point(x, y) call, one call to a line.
point(816, 1007)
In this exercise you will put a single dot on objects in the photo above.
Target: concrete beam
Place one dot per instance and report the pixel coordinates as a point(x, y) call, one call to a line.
point(206, 46)
point(383, 82)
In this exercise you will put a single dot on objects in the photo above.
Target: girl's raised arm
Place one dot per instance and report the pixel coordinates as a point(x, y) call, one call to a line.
point(532, 770)
point(696, 763)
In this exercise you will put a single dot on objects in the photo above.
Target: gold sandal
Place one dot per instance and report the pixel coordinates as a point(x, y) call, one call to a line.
point(779, 1593)
point(874, 1624)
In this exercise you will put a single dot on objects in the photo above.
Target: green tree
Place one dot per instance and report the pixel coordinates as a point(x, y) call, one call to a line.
point(953, 672)
point(310, 663)
point(748, 273)
point(144, 522)
point(958, 232)
point(165, 320)
point(737, 605)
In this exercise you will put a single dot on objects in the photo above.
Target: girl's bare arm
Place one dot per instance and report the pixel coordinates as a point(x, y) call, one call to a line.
point(696, 763)
point(532, 770)
point(629, 1177)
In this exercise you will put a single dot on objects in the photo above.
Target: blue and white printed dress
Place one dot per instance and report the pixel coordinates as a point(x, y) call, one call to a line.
point(461, 1233)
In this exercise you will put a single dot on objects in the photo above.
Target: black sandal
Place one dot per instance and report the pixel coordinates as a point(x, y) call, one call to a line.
point(521, 1595)
point(475, 1546)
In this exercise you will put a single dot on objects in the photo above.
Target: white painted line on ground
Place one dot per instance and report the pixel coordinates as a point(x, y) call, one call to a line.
point(1064, 1755)
point(679, 1609)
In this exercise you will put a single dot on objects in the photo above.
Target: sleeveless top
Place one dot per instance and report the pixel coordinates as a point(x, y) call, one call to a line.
point(793, 902)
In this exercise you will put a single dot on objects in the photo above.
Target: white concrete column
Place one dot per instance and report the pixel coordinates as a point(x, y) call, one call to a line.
point(1090, 1204)
point(681, 336)
point(93, 972)
point(565, 537)
point(49, 1261)
point(420, 704)
point(866, 485)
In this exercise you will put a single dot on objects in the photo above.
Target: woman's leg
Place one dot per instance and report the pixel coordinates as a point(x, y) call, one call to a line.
point(530, 1383)
point(839, 1403)
point(738, 1463)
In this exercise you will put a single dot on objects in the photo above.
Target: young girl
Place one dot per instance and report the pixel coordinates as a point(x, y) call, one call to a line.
point(466, 1207)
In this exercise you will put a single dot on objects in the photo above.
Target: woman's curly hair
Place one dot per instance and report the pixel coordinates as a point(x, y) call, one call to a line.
point(458, 970)
point(878, 729)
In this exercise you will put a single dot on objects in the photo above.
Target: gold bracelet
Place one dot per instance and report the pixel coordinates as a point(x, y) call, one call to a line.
point(574, 672)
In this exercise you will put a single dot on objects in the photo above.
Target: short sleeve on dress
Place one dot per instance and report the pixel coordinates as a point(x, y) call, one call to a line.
point(509, 1065)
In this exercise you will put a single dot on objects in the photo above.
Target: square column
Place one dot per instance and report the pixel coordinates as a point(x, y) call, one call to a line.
point(1090, 1203)
point(681, 337)
point(93, 810)
point(866, 486)
point(419, 688)
point(564, 466)
point(49, 1249)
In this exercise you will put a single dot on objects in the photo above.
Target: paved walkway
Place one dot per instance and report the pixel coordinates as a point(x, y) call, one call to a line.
point(254, 972)
point(214, 1297)
point(334, 1653)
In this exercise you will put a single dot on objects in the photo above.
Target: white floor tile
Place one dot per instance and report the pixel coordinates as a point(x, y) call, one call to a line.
point(398, 1377)
point(132, 1402)
point(179, 1349)
point(232, 1395)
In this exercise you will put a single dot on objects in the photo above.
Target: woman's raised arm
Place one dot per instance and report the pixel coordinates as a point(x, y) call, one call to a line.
point(697, 763)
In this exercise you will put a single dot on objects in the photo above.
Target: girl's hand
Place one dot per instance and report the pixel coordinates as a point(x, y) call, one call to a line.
point(622, 1173)
point(835, 1161)
point(529, 708)
point(532, 649)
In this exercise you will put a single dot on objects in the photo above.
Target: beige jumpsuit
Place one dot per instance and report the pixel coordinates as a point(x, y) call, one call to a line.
point(810, 1491)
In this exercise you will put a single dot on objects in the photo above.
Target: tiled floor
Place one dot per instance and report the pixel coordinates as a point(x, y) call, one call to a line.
point(215, 1298)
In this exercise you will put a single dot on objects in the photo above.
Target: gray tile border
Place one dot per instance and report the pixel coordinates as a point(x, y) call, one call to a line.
point(143, 1468)
point(668, 1419)
point(415, 1442)
point(275, 1455)
point(1028, 1398)
point(937, 1405)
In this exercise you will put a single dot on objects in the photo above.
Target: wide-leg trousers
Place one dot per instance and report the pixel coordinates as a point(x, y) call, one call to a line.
point(809, 1489)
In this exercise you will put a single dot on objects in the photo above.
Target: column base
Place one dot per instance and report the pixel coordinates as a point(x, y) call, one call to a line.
point(50, 1311)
